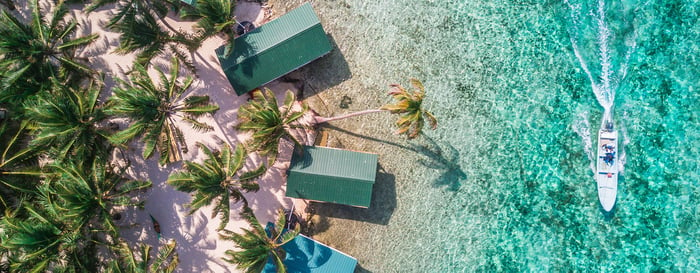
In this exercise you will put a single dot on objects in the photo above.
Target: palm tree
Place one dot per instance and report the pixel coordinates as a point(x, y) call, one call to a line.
point(216, 179)
point(18, 167)
point(268, 122)
point(166, 260)
point(141, 33)
point(153, 109)
point(127, 9)
point(31, 54)
point(67, 122)
point(215, 16)
point(84, 196)
point(37, 241)
point(258, 246)
point(408, 104)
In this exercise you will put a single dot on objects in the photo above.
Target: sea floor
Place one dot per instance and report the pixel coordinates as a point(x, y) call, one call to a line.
point(505, 182)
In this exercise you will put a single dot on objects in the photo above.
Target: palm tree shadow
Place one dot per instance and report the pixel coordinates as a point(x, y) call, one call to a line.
point(298, 259)
point(442, 157)
point(325, 72)
point(446, 162)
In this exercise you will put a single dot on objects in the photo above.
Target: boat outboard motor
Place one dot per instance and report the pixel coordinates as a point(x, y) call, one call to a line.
point(609, 126)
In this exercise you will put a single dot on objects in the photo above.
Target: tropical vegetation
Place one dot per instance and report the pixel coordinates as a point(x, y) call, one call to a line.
point(269, 122)
point(59, 191)
point(31, 54)
point(70, 218)
point(68, 122)
point(408, 104)
point(257, 245)
point(19, 167)
point(217, 178)
point(154, 110)
point(165, 261)
point(60, 185)
point(214, 16)
point(141, 33)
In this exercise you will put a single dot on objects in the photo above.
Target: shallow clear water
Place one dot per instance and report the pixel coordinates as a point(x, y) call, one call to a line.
point(505, 183)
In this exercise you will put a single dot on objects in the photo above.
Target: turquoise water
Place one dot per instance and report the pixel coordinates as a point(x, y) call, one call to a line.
point(505, 183)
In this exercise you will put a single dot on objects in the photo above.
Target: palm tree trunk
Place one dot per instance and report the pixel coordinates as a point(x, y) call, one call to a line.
point(359, 113)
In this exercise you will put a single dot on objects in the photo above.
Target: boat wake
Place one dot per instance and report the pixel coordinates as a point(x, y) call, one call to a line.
point(592, 39)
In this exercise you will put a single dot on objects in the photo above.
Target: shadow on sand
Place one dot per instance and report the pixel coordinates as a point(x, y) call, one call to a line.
point(438, 156)
point(380, 209)
point(360, 269)
point(325, 72)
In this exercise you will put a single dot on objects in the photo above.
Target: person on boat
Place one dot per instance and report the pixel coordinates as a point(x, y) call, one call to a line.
point(608, 148)
point(609, 158)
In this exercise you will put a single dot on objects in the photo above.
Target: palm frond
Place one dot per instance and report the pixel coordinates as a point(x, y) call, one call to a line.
point(167, 259)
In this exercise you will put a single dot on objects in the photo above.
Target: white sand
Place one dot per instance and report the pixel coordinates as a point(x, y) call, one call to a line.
point(198, 244)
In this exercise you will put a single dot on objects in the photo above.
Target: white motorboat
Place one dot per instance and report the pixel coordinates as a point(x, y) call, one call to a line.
point(607, 164)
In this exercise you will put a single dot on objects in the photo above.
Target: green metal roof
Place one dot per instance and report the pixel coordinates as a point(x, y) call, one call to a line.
point(189, 2)
point(332, 175)
point(274, 49)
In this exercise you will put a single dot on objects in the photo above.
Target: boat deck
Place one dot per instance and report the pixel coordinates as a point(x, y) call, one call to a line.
point(607, 172)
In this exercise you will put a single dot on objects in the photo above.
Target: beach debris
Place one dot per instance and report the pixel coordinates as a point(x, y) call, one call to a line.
point(156, 225)
point(345, 102)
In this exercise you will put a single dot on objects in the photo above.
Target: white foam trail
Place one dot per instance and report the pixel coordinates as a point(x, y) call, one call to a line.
point(583, 129)
point(605, 84)
point(605, 93)
point(602, 88)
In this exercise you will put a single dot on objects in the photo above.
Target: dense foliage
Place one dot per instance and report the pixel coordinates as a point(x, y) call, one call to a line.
point(216, 179)
point(257, 245)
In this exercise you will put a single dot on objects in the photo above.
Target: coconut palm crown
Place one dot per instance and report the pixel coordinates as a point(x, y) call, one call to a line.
point(268, 122)
point(165, 261)
point(84, 195)
point(142, 34)
point(409, 105)
point(31, 54)
point(19, 171)
point(67, 122)
point(38, 241)
point(155, 109)
point(215, 16)
point(257, 245)
point(216, 179)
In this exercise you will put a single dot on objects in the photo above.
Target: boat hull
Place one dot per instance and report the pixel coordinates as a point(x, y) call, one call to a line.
point(607, 169)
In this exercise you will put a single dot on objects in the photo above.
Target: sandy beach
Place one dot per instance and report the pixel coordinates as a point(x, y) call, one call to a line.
point(198, 244)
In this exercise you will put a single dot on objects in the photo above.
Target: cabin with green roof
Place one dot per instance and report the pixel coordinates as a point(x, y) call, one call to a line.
point(274, 49)
point(332, 175)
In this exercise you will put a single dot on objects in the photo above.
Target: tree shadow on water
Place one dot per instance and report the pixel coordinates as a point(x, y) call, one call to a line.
point(445, 160)
point(438, 156)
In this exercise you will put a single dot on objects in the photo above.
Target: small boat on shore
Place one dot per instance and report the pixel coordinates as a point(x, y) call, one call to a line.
point(607, 165)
